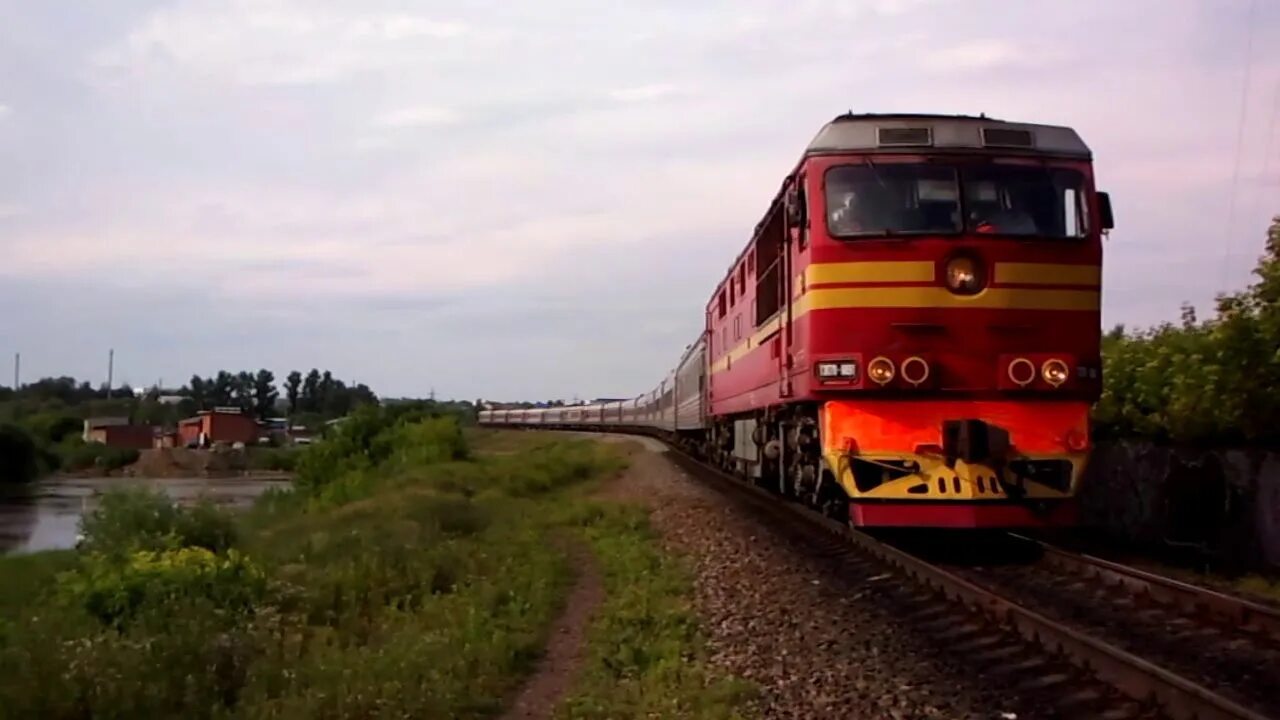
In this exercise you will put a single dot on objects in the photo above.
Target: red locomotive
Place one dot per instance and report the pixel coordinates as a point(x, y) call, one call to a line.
point(911, 338)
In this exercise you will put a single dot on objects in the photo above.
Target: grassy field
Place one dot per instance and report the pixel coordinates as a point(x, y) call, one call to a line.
point(412, 572)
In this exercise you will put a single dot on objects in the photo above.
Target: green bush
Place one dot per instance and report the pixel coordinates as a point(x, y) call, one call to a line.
point(75, 454)
point(372, 437)
point(114, 458)
point(273, 459)
point(19, 456)
point(113, 591)
point(1205, 382)
point(135, 519)
point(52, 426)
point(348, 446)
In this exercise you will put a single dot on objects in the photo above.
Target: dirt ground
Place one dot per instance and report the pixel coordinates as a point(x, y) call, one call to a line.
point(566, 646)
point(162, 463)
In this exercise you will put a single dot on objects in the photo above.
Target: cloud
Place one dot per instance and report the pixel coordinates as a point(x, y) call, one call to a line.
point(276, 42)
point(5, 111)
point(972, 55)
point(643, 93)
point(420, 116)
point(361, 184)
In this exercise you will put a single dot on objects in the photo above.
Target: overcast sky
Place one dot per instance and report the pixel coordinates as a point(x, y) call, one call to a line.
point(534, 199)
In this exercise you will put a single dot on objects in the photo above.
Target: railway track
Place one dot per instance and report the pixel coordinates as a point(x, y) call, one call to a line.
point(1208, 638)
point(1098, 617)
point(1247, 616)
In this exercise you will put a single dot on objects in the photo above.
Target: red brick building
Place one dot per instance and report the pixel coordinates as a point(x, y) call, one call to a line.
point(138, 437)
point(218, 426)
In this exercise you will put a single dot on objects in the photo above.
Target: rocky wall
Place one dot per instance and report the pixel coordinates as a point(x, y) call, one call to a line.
point(1222, 507)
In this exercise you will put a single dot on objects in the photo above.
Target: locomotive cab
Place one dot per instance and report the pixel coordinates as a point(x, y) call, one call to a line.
point(946, 316)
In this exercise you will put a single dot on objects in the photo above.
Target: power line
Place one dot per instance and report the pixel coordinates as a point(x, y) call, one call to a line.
point(1235, 172)
point(1271, 142)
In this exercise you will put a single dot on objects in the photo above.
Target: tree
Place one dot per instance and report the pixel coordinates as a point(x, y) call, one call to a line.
point(362, 395)
point(311, 392)
point(199, 392)
point(223, 391)
point(264, 394)
point(292, 386)
point(325, 394)
point(243, 385)
point(19, 458)
point(1201, 381)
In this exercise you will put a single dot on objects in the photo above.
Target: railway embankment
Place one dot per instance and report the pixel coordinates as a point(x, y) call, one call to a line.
point(1214, 509)
point(412, 570)
point(818, 632)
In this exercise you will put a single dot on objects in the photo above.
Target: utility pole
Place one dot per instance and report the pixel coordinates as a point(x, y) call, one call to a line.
point(111, 365)
point(17, 365)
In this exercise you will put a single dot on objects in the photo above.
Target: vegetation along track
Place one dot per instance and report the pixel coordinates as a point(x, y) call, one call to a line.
point(1010, 639)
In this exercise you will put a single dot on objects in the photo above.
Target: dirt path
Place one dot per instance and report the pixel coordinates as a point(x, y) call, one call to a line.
point(566, 647)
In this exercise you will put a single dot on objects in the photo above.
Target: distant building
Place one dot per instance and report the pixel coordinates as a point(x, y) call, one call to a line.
point(220, 425)
point(100, 422)
point(138, 437)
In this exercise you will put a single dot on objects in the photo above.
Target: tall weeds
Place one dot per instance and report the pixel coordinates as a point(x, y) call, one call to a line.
point(400, 577)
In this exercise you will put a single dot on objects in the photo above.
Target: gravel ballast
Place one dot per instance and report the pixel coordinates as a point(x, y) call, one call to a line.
point(817, 645)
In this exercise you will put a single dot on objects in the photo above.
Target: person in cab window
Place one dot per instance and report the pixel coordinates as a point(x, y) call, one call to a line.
point(989, 215)
point(844, 214)
point(865, 208)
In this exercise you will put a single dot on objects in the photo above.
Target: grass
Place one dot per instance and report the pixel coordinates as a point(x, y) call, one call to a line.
point(1267, 588)
point(412, 574)
point(23, 578)
point(647, 655)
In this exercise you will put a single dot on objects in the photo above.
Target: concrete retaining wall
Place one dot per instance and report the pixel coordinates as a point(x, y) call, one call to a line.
point(1221, 505)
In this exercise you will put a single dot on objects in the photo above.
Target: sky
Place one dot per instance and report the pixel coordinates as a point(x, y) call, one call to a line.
point(516, 200)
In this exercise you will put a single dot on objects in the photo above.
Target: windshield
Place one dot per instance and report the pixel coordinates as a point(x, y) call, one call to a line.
point(916, 198)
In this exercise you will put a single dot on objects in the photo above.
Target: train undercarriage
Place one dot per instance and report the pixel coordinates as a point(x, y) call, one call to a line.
point(973, 478)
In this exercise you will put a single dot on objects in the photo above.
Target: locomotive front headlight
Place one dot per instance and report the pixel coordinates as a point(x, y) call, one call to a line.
point(1054, 372)
point(881, 370)
point(964, 275)
point(1022, 372)
point(915, 370)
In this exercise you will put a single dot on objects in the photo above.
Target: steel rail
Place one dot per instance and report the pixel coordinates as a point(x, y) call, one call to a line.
point(1224, 608)
point(1138, 679)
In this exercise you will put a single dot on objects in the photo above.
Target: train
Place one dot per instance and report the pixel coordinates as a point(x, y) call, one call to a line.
point(911, 337)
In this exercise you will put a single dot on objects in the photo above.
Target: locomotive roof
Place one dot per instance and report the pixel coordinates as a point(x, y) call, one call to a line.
point(898, 132)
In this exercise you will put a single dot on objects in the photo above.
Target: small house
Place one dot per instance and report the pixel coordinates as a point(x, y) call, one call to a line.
point(220, 425)
point(137, 437)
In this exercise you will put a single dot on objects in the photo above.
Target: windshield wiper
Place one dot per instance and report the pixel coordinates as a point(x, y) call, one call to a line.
point(876, 171)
